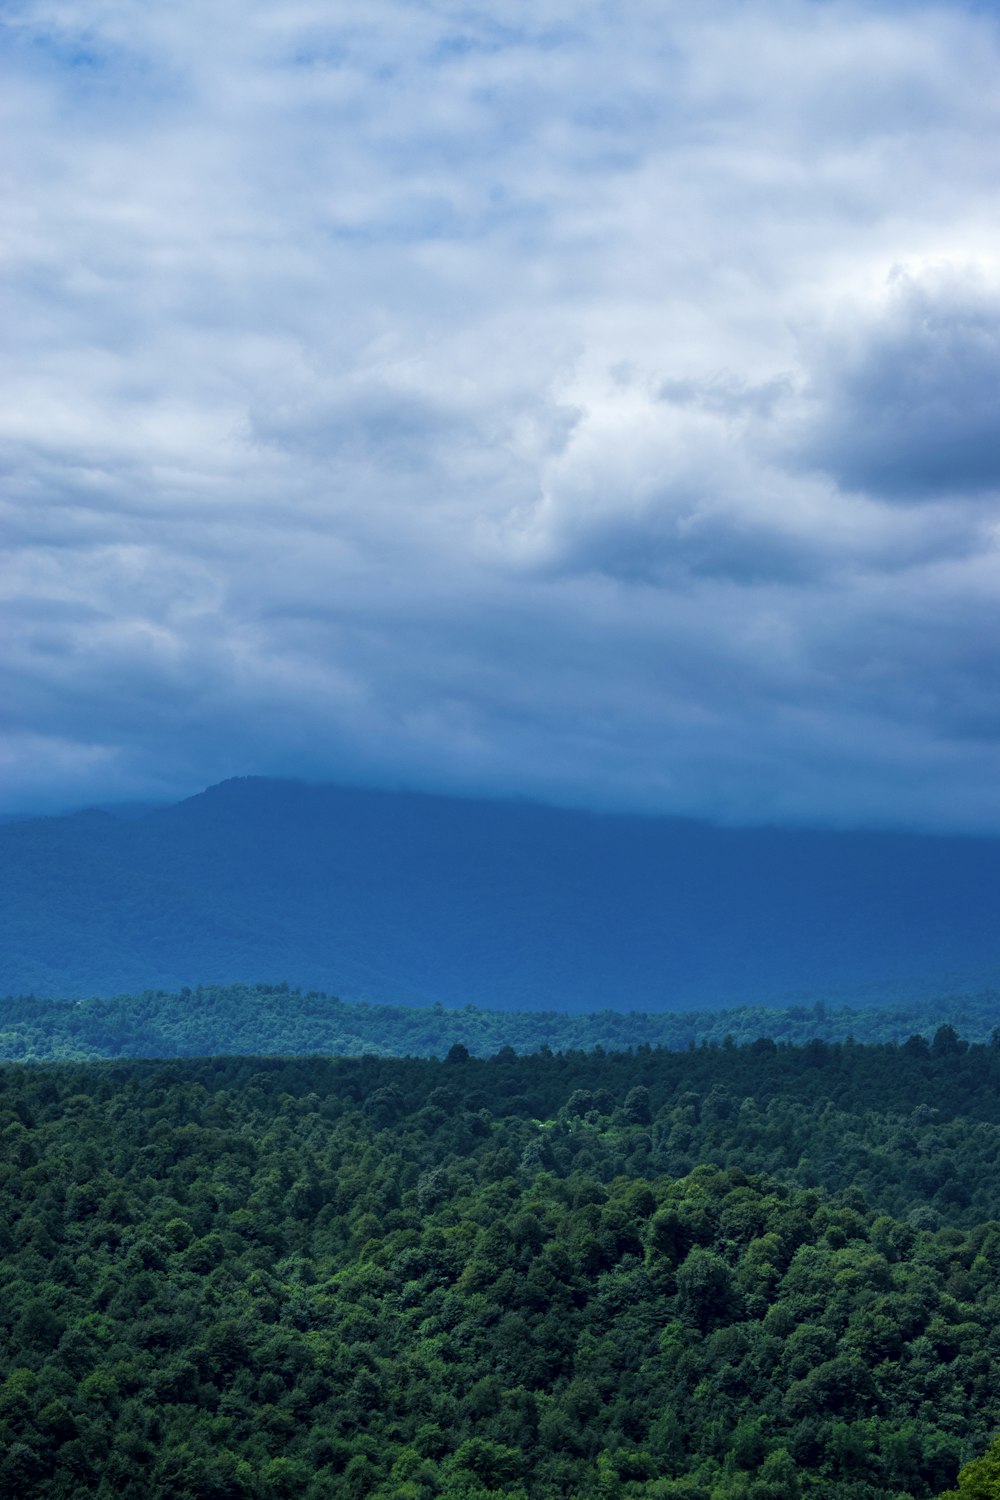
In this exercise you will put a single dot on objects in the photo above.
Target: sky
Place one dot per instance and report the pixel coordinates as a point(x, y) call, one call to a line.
point(592, 403)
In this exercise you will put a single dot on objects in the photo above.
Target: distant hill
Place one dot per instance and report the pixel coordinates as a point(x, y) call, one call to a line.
point(268, 1020)
point(411, 899)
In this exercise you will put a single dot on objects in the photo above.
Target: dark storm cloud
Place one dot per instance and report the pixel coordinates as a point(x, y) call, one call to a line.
point(908, 406)
point(590, 405)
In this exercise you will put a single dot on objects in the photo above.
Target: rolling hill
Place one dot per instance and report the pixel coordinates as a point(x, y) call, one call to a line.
point(412, 899)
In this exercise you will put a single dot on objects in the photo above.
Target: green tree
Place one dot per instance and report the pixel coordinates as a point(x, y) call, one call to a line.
point(980, 1479)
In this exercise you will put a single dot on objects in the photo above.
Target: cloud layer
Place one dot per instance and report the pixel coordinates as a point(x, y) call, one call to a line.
point(556, 400)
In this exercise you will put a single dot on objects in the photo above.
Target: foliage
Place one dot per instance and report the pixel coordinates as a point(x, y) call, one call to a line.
point(980, 1479)
point(267, 1019)
point(468, 1278)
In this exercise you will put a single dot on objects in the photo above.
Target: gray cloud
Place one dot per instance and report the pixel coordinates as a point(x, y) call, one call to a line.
point(908, 407)
point(536, 401)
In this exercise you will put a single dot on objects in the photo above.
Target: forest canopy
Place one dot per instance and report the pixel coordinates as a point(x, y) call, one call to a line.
point(739, 1273)
point(267, 1019)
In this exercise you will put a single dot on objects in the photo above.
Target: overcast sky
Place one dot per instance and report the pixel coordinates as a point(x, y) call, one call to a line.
point(597, 403)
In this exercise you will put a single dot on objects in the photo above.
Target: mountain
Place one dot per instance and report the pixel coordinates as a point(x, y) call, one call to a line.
point(413, 899)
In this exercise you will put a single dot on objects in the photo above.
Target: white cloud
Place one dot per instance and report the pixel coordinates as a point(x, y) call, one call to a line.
point(586, 403)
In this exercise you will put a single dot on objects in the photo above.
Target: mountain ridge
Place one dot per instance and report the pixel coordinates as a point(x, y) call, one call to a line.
point(413, 898)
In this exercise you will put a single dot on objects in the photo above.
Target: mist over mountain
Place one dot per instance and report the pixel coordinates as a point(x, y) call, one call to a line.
point(413, 899)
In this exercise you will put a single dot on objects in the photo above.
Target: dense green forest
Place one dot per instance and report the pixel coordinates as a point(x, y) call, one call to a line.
point(267, 1019)
point(735, 1273)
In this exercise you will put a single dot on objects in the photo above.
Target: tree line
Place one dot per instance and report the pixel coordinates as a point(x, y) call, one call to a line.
point(267, 1019)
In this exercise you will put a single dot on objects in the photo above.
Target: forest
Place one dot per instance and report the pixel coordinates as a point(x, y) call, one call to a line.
point(280, 1019)
point(738, 1272)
